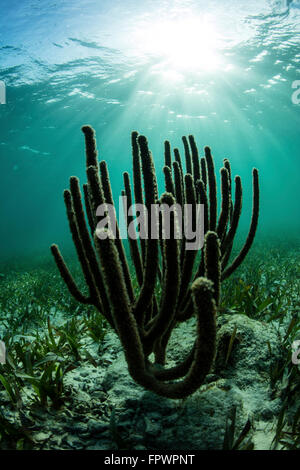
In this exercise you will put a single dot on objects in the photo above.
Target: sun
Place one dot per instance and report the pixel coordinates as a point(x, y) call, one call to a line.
point(183, 43)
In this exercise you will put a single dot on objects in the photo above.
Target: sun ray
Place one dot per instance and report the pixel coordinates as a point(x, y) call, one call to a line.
point(189, 43)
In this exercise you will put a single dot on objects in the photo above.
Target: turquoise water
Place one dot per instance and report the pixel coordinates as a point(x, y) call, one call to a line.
point(227, 72)
point(223, 71)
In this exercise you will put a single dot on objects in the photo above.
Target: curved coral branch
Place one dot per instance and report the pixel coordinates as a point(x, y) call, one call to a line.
point(203, 353)
point(252, 230)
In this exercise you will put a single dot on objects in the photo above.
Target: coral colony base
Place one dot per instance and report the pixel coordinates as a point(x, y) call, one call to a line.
point(190, 279)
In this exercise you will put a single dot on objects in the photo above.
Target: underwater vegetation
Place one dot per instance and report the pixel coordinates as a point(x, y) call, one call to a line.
point(190, 284)
point(56, 343)
point(46, 330)
point(151, 324)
